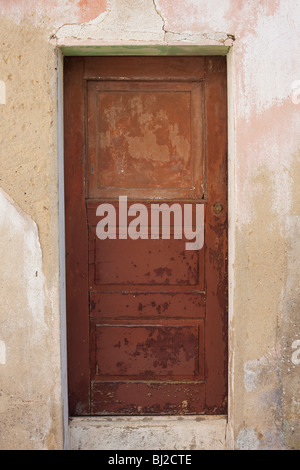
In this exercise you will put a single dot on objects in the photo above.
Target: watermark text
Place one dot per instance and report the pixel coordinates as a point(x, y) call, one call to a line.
point(138, 222)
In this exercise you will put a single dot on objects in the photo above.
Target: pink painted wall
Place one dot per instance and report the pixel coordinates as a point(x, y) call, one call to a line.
point(55, 12)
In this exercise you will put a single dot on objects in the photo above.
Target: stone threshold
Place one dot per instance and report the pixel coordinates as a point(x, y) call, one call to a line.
point(148, 433)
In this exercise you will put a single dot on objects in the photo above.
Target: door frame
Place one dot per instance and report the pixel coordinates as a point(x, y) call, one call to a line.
point(145, 50)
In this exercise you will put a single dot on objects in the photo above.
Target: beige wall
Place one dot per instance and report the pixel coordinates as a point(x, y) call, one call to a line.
point(262, 40)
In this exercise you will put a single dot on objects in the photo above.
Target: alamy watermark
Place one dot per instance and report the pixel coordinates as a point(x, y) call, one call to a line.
point(144, 223)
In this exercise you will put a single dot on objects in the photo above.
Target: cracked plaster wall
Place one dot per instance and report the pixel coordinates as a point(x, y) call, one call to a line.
point(264, 181)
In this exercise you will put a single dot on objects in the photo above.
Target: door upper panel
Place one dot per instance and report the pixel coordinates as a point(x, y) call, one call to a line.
point(145, 139)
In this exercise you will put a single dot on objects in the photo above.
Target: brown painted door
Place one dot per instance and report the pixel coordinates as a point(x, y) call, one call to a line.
point(146, 316)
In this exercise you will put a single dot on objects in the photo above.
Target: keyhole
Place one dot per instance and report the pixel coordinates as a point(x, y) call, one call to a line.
point(218, 207)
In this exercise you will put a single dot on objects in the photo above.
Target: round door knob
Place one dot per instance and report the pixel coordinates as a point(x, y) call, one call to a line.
point(218, 207)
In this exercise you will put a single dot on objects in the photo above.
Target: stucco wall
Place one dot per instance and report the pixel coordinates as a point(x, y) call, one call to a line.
point(262, 40)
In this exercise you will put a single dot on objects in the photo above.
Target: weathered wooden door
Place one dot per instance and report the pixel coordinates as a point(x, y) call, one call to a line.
point(146, 317)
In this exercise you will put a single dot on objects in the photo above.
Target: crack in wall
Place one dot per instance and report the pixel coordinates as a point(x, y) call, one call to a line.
point(161, 16)
point(95, 22)
point(221, 37)
point(95, 30)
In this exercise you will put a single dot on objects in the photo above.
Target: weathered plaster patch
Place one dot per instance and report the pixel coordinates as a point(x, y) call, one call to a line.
point(212, 38)
point(53, 13)
point(132, 21)
point(266, 152)
point(294, 172)
point(2, 92)
point(296, 354)
point(250, 438)
point(24, 330)
point(261, 43)
point(124, 21)
point(260, 248)
point(247, 439)
point(92, 10)
point(290, 333)
point(193, 17)
point(29, 273)
point(295, 86)
point(20, 244)
point(2, 353)
point(256, 372)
